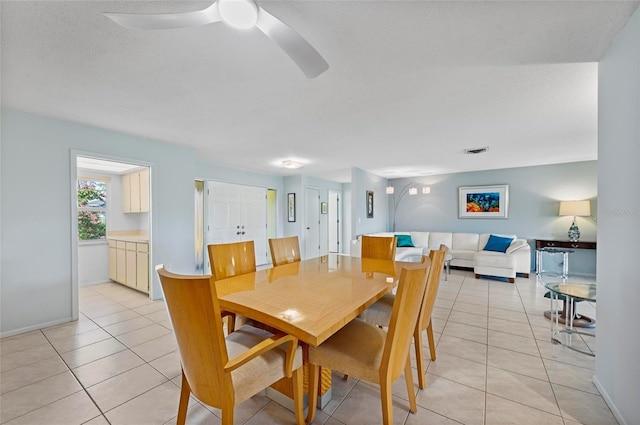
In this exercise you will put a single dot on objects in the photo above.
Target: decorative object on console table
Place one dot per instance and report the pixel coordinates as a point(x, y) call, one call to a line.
point(291, 207)
point(483, 201)
point(574, 208)
point(411, 189)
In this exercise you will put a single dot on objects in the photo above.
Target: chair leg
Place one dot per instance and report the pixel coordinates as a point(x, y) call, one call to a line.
point(314, 381)
point(185, 392)
point(231, 323)
point(227, 414)
point(417, 341)
point(408, 377)
point(298, 394)
point(387, 402)
point(432, 344)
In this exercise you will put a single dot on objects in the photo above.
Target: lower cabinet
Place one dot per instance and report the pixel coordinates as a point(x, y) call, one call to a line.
point(129, 263)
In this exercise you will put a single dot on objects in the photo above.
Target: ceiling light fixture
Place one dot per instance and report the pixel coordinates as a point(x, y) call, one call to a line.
point(390, 190)
point(242, 14)
point(292, 164)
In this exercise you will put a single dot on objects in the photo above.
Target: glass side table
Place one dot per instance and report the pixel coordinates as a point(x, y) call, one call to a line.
point(571, 292)
point(546, 250)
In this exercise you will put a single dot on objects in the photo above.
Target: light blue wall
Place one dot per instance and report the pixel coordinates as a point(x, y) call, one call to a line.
point(297, 184)
point(37, 243)
point(534, 195)
point(361, 182)
point(617, 373)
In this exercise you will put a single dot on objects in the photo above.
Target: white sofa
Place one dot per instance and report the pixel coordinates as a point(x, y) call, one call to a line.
point(466, 250)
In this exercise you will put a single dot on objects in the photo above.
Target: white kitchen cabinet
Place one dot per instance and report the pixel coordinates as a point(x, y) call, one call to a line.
point(135, 191)
point(112, 260)
point(121, 262)
point(130, 262)
point(142, 267)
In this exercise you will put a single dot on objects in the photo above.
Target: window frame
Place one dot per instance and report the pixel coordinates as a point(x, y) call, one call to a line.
point(105, 209)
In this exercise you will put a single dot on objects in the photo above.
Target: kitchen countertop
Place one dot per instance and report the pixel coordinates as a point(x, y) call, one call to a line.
point(130, 238)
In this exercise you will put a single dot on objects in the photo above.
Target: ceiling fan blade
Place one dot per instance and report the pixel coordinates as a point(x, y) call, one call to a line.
point(297, 48)
point(161, 21)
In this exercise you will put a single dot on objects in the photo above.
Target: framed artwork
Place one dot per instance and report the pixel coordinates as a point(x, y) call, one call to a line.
point(369, 204)
point(483, 201)
point(291, 207)
point(323, 208)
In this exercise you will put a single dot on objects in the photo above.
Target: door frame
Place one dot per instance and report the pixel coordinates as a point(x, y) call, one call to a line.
point(338, 213)
point(73, 172)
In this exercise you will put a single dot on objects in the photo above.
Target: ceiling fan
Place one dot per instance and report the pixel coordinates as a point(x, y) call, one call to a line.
point(243, 14)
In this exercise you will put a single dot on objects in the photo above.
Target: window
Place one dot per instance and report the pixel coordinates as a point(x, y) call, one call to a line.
point(92, 209)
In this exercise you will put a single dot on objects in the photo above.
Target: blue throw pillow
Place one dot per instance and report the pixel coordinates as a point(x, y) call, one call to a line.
point(404, 240)
point(497, 243)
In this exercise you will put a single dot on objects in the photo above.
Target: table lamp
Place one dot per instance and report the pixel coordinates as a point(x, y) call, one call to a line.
point(574, 208)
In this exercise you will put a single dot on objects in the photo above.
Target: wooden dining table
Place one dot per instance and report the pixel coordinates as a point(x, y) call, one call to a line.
point(311, 299)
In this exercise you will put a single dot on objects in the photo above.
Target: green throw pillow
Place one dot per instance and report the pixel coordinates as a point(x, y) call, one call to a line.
point(404, 240)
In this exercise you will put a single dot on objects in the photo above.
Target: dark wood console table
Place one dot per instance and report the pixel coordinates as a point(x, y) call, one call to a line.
point(546, 243)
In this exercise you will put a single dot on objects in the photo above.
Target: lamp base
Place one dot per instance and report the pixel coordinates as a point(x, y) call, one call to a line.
point(574, 233)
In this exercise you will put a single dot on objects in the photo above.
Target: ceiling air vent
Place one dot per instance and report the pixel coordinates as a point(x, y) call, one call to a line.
point(475, 151)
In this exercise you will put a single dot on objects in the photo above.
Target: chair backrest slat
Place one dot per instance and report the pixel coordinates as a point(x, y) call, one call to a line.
point(232, 259)
point(404, 316)
point(195, 316)
point(379, 247)
point(433, 283)
point(284, 250)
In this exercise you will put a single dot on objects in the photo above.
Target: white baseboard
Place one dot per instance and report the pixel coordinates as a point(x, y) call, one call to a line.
point(35, 327)
point(609, 402)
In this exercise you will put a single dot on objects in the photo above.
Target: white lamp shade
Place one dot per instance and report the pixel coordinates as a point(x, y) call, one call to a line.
point(413, 191)
point(575, 208)
point(390, 190)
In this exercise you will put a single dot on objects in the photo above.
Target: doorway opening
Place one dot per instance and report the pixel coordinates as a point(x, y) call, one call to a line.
point(110, 223)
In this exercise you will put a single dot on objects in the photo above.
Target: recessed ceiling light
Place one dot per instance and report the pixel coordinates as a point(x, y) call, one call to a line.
point(289, 163)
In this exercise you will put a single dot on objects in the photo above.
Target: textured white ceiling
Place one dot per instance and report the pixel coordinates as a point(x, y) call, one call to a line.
point(411, 84)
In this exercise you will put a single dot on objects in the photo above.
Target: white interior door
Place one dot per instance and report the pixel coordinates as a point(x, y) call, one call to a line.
point(254, 221)
point(333, 220)
point(236, 213)
point(312, 222)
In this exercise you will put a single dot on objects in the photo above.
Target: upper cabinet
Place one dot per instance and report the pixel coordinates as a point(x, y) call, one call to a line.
point(135, 191)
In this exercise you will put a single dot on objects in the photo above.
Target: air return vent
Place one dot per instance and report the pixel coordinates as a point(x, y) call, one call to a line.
point(474, 151)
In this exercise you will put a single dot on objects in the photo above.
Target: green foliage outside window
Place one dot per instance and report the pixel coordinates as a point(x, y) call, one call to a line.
point(92, 213)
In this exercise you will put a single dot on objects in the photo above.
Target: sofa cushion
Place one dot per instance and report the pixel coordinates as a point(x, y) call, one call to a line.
point(494, 260)
point(497, 243)
point(516, 245)
point(465, 241)
point(404, 241)
point(420, 239)
point(440, 238)
point(463, 254)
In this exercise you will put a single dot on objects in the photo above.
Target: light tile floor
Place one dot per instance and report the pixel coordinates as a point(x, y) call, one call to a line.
point(118, 365)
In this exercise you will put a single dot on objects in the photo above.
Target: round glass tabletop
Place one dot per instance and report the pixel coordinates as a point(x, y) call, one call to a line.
point(580, 291)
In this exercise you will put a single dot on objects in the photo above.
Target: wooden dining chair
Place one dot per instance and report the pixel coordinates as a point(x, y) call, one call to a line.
point(380, 312)
point(367, 352)
point(228, 260)
point(218, 371)
point(379, 247)
point(284, 250)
